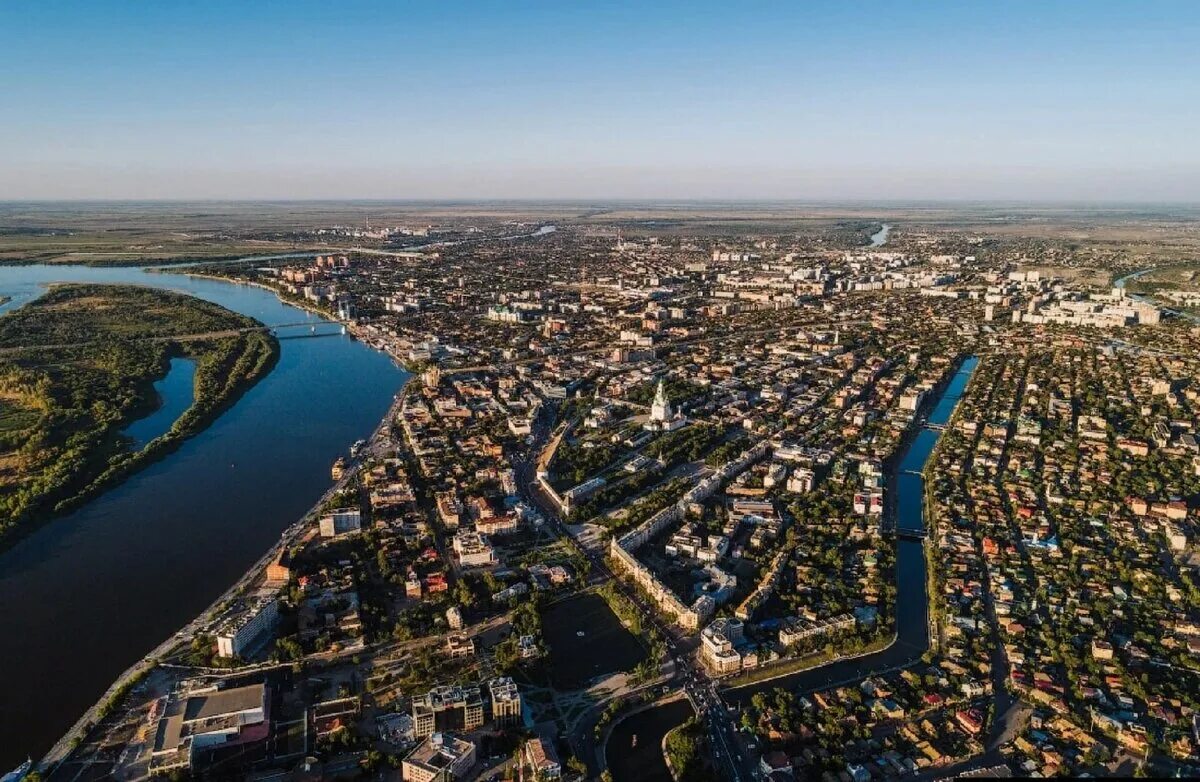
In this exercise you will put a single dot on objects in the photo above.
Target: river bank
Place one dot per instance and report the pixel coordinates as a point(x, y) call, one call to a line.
point(291, 536)
point(100, 375)
point(292, 301)
point(116, 691)
point(83, 598)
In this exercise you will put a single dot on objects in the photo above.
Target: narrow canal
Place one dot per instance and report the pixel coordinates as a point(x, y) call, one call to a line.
point(631, 763)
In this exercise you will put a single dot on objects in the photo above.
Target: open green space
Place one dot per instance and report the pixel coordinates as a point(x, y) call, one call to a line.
point(79, 363)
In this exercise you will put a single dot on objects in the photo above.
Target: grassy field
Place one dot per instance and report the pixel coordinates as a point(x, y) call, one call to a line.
point(79, 363)
point(1099, 237)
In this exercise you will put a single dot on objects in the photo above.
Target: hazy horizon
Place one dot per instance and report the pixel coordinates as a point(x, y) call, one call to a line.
point(874, 102)
point(578, 201)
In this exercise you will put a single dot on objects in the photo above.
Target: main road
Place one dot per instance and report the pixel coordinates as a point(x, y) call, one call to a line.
point(635, 755)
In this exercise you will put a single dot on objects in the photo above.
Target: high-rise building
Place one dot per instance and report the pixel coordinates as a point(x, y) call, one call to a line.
point(448, 707)
point(246, 630)
point(505, 700)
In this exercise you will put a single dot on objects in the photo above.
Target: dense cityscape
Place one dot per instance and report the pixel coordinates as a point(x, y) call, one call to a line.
point(866, 500)
point(599, 392)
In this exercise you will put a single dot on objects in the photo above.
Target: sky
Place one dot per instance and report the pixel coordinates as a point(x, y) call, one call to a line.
point(1084, 100)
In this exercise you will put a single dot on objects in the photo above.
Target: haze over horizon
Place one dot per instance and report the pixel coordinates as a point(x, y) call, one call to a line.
point(874, 102)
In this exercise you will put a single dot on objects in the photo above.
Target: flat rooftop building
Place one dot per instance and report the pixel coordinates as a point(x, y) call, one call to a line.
point(449, 707)
point(244, 632)
point(506, 701)
point(206, 720)
point(440, 757)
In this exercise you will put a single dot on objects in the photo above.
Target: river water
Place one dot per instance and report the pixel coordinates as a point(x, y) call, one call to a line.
point(176, 392)
point(880, 237)
point(86, 595)
point(628, 764)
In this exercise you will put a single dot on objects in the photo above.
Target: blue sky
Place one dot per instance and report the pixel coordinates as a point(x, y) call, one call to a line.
point(960, 100)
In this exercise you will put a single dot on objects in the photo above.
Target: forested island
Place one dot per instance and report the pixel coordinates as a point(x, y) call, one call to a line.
point(78, 364)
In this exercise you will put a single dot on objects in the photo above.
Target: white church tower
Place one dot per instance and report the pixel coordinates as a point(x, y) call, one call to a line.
point(661, 409)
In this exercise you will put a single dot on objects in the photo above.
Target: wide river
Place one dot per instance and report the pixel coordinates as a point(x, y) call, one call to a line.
point(88, 594)
point(643, 762)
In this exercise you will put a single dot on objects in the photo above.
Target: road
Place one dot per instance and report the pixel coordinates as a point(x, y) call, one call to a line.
point(702, 691)
point(733, 755)
point(664, 346)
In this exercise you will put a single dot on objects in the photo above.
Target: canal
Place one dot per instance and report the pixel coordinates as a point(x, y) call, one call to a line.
point(84, 596)
point(634, 750)
point(912, 612)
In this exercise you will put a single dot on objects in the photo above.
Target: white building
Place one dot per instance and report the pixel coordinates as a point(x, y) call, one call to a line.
point(662, 415)
point(341, 522)
point(911, 400)
point(246, 630)
point(539, 755)
point(796, 629)
point(801, 481)
point(717, 645)
point(473, 550)
point(440, 757)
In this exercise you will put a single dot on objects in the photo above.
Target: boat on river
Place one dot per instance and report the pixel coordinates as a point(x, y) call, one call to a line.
point(18, 773)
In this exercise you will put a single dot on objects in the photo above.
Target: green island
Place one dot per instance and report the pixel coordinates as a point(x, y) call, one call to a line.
point(78, 364)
